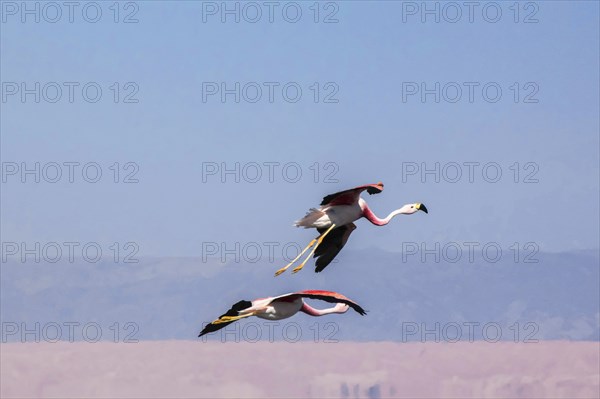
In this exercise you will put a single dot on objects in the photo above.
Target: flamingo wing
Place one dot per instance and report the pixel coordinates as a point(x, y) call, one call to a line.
point(331, 245)
point(234, 311)
point(327, 296)
point(349, 197)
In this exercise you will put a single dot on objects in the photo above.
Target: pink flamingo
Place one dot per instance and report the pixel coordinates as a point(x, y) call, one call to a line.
point(334, 222)
point(282, 307)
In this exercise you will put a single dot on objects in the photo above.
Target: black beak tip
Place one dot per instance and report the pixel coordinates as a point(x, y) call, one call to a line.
point(423, 208)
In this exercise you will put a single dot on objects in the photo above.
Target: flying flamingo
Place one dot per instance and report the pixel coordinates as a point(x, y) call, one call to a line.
point(282, 307)
point(334, 222)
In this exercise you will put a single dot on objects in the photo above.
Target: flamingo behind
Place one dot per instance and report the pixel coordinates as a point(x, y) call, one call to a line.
point(334, 222)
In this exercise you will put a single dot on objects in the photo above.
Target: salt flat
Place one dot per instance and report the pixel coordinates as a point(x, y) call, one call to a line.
point(192, 369)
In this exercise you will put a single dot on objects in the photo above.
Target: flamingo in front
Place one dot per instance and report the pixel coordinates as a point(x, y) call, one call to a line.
point(334, 222)
point(282, 307)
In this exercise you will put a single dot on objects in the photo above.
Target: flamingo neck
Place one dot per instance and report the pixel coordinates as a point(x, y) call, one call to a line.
point(321, 312)
point(371, 217)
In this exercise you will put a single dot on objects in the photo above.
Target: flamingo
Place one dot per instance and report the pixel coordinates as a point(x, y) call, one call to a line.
point(334, 221)
point(282, 307)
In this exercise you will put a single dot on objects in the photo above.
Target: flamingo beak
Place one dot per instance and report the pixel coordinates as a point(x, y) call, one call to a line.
point(422, 207)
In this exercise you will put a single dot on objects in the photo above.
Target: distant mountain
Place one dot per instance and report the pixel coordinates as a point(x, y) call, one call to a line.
point(406, 299)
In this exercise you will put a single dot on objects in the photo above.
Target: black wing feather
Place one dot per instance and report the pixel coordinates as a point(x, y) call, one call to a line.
point(235, 309)
point(331, 245)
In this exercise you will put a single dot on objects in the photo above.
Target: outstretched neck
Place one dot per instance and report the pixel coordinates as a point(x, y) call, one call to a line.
point(371, 217)
point(339, 308)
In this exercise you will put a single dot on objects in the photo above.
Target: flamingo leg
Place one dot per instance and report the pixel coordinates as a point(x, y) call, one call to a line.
point(310, 244)
point(228, 319)
point(319, 240)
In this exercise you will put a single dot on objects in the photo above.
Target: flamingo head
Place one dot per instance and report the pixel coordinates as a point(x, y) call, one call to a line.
point(341, 308)
point(409, 209)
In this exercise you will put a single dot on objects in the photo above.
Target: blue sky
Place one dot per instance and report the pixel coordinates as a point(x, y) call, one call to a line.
point(369, 135)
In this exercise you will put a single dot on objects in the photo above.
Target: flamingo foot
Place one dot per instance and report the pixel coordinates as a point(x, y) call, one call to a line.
point(229, 319)
point(278, 272)
point(310, 244)
point(318, 242)
point(298, 268)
